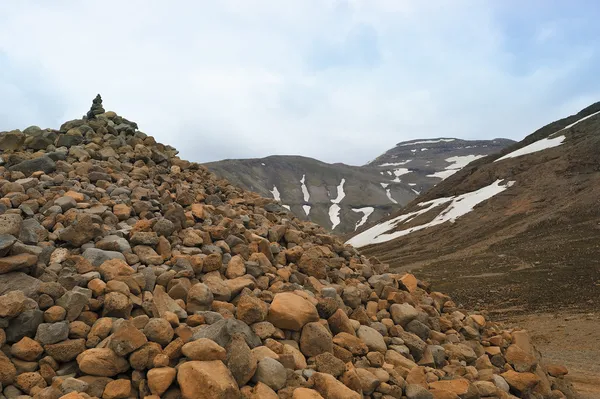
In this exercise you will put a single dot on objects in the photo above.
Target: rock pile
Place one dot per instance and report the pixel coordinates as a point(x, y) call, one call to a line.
point(126, 272)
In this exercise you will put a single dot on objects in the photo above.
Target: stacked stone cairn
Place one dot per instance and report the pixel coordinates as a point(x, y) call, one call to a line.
point(127, 272)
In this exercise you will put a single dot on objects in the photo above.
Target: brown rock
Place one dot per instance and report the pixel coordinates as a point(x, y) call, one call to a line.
point(240, 360)
point(17, 262)
point(459, 386)
point(126, 340)
point(159, 330)
point(291, 312)
point(27, 349)
point(65, 351)
point(339, 322)
point(118, 389)
point(206, 380)
point(235, 267)
point(315, 339)
point(251, 310)
point(330, 388)
point(114, 268)
point(522, 383)
point(117, 305)
point(8, 372)
point(28, 381)
point(306, 393)
point(556, 370)
point(160, 379)
point(204, 349)
point(103, 362)
point(519, 359)
point(351, 343)
point(328, 363)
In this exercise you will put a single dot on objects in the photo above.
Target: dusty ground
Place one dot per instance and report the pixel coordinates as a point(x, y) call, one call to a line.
point(572, 340)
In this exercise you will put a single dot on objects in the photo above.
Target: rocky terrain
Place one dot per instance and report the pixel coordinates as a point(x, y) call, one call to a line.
point(513, 232)
point(127, 272)
point(342, 198)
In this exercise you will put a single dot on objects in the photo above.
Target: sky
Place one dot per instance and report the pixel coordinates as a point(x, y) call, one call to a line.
point(336, 80)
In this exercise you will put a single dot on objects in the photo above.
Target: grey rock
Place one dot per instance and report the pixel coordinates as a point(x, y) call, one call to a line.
point(271, 373)
point(43, 163)
point(18, 281)
point(10, 141)
point(419, 329)
point(210, 317)
point(11, 224)
point(65, 203)
point(98, 256)
point(403, 313)
point(372, 338)
point(73, 302)
point(329, 292)
point(24, 325)
point(164, 227)
point(501, 383)
point(51, 333)
point(414, 391)
point(114, 243)
point(6, 243)
point(33, 131)
point(71, 384)
point(32, 232)
point(221, 332)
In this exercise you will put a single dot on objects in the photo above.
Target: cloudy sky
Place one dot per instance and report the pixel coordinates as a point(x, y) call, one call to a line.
point(338, 80)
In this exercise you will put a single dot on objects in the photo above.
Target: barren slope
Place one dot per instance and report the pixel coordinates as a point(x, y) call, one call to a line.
point(532, 246)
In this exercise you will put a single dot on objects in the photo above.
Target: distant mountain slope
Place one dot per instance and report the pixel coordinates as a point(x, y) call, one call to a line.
point(344, 198)
point(514, 228)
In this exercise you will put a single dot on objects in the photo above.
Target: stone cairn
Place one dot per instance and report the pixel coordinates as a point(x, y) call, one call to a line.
point(96, 108)
point(127, 272)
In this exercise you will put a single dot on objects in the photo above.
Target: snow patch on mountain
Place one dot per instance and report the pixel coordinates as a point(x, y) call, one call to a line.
point(399, 172)
point(539, 145)
point(276, 193)
point(334, 210)
point(428, 142)
point(456, 163)
point(304, 189)
point(459, 206)
point(395, 163)
point(366, 211)
point(389, 195)
point(306, 209)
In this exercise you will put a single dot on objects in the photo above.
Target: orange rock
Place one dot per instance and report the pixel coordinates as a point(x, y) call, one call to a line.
point(122, 211)
point(206, 380)
point(118, 389)
point(204, 349)
point(79, 197)
point(330, 388)
point(521, 382)
point(291, 312)
point(410, 282)
point(459, 386)
point(556, 370)
point(160, 379)
point(306, 393)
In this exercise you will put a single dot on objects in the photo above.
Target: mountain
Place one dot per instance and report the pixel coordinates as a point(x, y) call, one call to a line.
point(343, 198)
point(509, 230)
point(127, 272)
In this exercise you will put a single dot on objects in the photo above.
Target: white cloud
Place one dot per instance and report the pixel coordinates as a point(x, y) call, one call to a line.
point(339, 81)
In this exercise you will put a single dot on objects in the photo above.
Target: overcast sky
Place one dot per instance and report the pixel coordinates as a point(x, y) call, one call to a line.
point(337, 80)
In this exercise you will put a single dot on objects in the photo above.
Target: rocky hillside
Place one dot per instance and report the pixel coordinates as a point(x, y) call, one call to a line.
point(127, 272)
point(507, 227)
point(343, 198)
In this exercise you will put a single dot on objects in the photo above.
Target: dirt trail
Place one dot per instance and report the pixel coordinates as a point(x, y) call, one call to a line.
point(572, 340)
